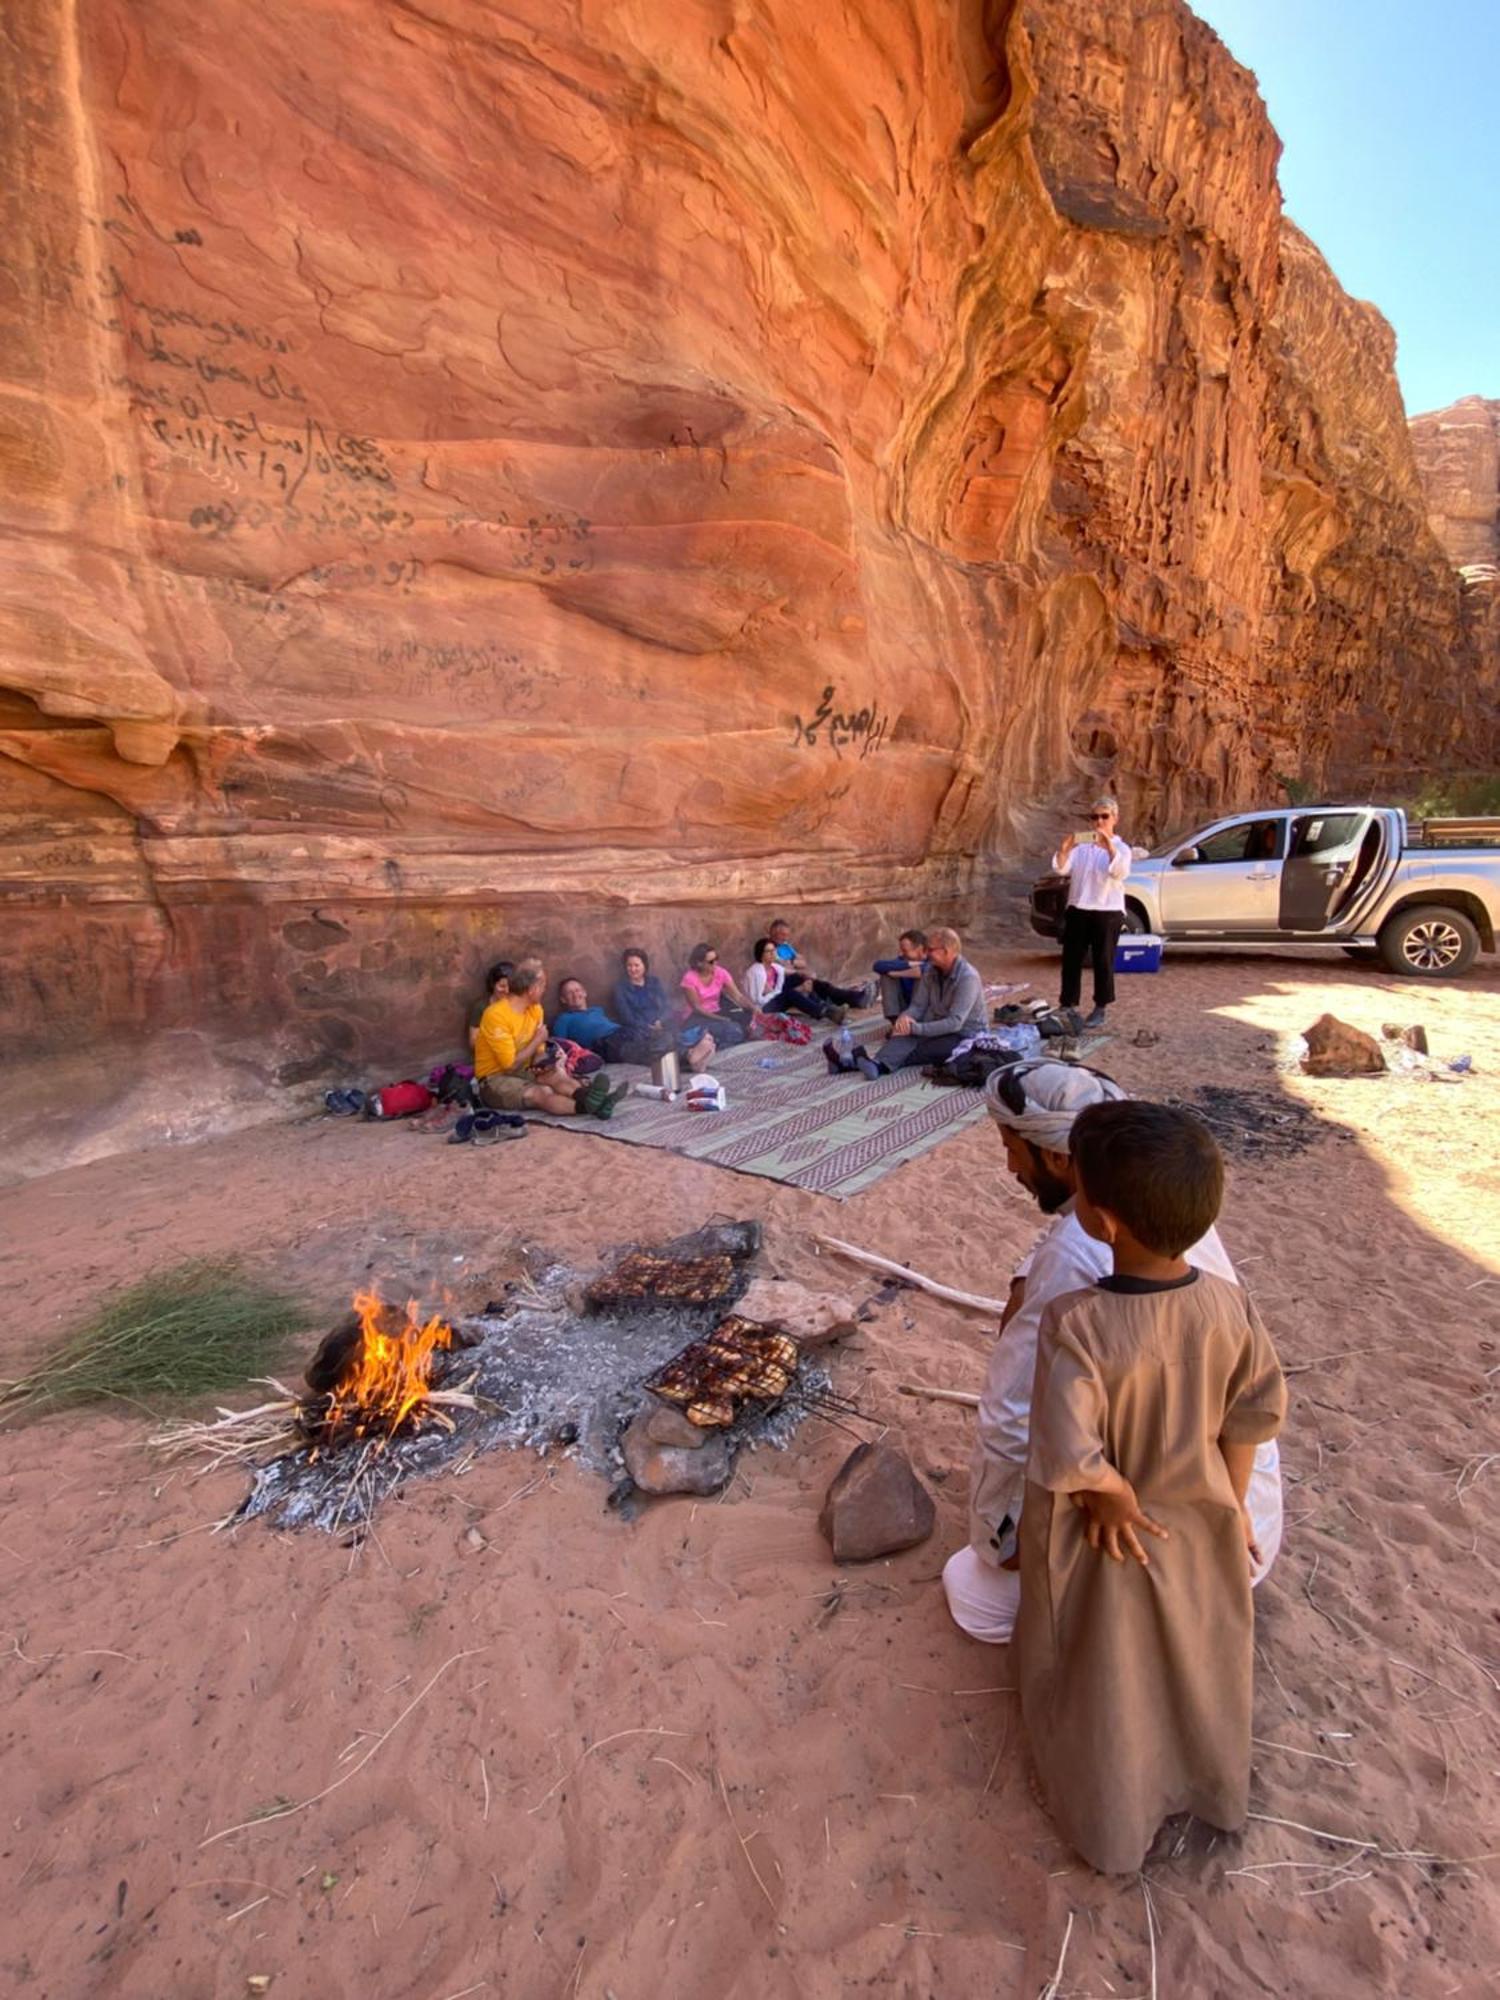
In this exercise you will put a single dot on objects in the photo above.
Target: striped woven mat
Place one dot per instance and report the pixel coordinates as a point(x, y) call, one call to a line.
point(794, 1122)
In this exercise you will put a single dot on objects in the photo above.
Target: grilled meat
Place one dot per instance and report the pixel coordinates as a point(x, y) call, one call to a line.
point(646, 1277)
point(738, 1361)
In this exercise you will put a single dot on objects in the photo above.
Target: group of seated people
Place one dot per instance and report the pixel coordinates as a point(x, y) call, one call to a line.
point(931, 996)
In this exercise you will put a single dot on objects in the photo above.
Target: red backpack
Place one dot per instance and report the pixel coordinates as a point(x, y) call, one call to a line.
point(399, 1100)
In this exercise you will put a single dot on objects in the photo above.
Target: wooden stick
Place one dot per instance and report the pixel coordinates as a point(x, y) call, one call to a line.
point(960, 1396)
point(975, 1301)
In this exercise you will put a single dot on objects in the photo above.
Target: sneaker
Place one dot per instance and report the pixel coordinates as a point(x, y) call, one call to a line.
point(1094, 1020)
point(867, 1066)
point(833, 1059)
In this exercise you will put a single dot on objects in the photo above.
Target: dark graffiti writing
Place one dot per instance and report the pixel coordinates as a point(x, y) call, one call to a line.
point(551, 544)
point(865, 726)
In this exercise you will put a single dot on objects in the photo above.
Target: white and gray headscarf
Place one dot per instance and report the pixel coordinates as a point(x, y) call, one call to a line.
point(1055, 1094)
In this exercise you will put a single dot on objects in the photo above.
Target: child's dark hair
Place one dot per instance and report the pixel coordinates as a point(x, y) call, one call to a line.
point(503, 968)
point(1155, 1167)
point(918, 938)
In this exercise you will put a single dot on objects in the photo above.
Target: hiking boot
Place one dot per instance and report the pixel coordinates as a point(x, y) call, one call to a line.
point(592, 1094)
point(1094, 1020)
point(838, 1015)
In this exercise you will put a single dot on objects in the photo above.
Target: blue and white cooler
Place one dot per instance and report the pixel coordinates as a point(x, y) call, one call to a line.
point(1138, 951)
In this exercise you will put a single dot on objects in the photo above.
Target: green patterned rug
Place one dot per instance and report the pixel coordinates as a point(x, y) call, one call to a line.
point(789, 1120)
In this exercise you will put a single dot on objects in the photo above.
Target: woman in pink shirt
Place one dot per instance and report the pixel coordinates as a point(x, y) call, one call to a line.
point(713, 999)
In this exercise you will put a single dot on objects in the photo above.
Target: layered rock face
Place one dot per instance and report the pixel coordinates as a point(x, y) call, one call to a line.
point(493, 474)
point(1458, 456)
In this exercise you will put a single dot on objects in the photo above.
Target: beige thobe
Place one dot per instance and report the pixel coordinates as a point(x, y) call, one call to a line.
point(1135, 1683)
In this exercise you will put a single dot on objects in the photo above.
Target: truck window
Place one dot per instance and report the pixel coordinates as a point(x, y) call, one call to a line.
point(1327, 837)
point(1254, 840)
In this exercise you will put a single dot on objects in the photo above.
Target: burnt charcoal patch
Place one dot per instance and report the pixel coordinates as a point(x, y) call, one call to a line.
point(1257, 1124)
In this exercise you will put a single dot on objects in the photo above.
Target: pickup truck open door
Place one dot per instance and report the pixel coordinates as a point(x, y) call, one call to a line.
point(1226, 880)
point(1333, 860)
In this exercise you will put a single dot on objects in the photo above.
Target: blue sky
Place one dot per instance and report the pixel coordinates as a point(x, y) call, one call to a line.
point(1387, 117)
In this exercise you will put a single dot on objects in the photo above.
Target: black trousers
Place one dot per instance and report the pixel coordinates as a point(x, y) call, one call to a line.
point(824, 989)
point(1090, 934)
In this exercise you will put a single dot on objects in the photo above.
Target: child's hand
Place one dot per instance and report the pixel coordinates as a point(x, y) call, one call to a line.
point(1113, 1519)
point(1257, 1560)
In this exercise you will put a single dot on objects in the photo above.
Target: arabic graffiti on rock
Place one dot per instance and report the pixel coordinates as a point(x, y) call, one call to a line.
point(840, 729)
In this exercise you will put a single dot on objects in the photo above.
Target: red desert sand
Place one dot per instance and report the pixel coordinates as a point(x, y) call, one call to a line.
point(516, 1745)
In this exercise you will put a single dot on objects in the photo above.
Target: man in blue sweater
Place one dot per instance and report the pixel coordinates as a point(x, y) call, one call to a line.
point(592, 1028)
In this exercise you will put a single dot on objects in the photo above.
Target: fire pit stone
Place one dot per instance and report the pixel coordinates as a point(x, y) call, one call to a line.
point(701, 1467)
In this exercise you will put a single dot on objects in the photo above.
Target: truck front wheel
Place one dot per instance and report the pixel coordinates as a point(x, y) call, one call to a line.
point(1429, 942)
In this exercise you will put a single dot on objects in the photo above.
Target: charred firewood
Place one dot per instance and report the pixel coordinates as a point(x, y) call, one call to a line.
point(335, 1351)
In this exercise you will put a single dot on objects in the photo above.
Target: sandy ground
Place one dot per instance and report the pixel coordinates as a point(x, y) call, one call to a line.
point(686, 1755)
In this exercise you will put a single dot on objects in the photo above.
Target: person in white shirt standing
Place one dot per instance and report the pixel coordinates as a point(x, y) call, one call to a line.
point(1096, 869)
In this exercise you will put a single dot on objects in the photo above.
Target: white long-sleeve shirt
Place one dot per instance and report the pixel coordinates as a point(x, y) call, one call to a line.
point(1096, 880)
point(763, 983)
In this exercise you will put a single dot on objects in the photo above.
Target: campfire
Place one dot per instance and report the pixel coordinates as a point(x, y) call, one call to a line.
point(559, 1361)
point(375, 1375)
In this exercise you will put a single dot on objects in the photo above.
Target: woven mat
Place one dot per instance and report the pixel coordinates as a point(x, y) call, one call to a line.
point(796, 1122)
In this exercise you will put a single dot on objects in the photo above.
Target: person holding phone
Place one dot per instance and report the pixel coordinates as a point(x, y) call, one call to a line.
point(1096, 864)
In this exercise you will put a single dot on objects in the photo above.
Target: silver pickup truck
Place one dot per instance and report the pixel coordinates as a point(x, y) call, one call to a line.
point(1351, 877)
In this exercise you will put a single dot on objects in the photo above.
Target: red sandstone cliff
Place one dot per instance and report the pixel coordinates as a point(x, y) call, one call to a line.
point(488, 470)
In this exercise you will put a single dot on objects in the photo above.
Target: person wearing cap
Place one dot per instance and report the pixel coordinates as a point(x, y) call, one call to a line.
point(1096, 869)
point(1035, 1104)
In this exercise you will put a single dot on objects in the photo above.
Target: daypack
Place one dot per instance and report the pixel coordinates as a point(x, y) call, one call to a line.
point(399, 1100)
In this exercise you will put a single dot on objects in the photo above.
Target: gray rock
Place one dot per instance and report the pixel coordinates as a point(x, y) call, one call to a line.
point(1336, 1049)
point(662, 1424)
point(813, 1319)
point(875, 1506)
point(666, 1468)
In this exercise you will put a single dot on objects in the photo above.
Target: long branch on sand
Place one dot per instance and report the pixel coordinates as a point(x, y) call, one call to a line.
point(975, 1301)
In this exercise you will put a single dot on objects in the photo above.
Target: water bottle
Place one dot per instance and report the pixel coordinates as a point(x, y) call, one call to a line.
point(845, 1044)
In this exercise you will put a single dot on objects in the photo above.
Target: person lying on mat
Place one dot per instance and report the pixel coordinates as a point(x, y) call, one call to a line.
point(899, 975)
point(765, 982)
point(592, 1028)
point(512, 1068)
point(799, 974)
point(713, 999)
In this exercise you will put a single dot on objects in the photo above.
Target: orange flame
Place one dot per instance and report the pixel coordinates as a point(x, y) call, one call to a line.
point(388, 1377)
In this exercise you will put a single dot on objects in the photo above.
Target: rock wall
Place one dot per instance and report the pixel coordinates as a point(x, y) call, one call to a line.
point(1458, 456)
point(498, 473)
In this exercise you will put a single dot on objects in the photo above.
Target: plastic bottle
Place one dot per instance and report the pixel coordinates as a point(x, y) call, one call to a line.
point(845, 1044)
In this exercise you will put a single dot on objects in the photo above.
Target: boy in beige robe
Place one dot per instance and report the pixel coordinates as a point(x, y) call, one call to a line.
point(1153, 1389)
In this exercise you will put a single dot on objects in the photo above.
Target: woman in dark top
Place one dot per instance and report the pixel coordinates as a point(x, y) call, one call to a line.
point(638, 1001)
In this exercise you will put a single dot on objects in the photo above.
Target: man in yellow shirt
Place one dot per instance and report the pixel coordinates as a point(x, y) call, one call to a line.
point(511, 1041)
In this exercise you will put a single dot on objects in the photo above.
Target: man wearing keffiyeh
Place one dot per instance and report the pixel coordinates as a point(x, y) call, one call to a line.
point(1035, 1104)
